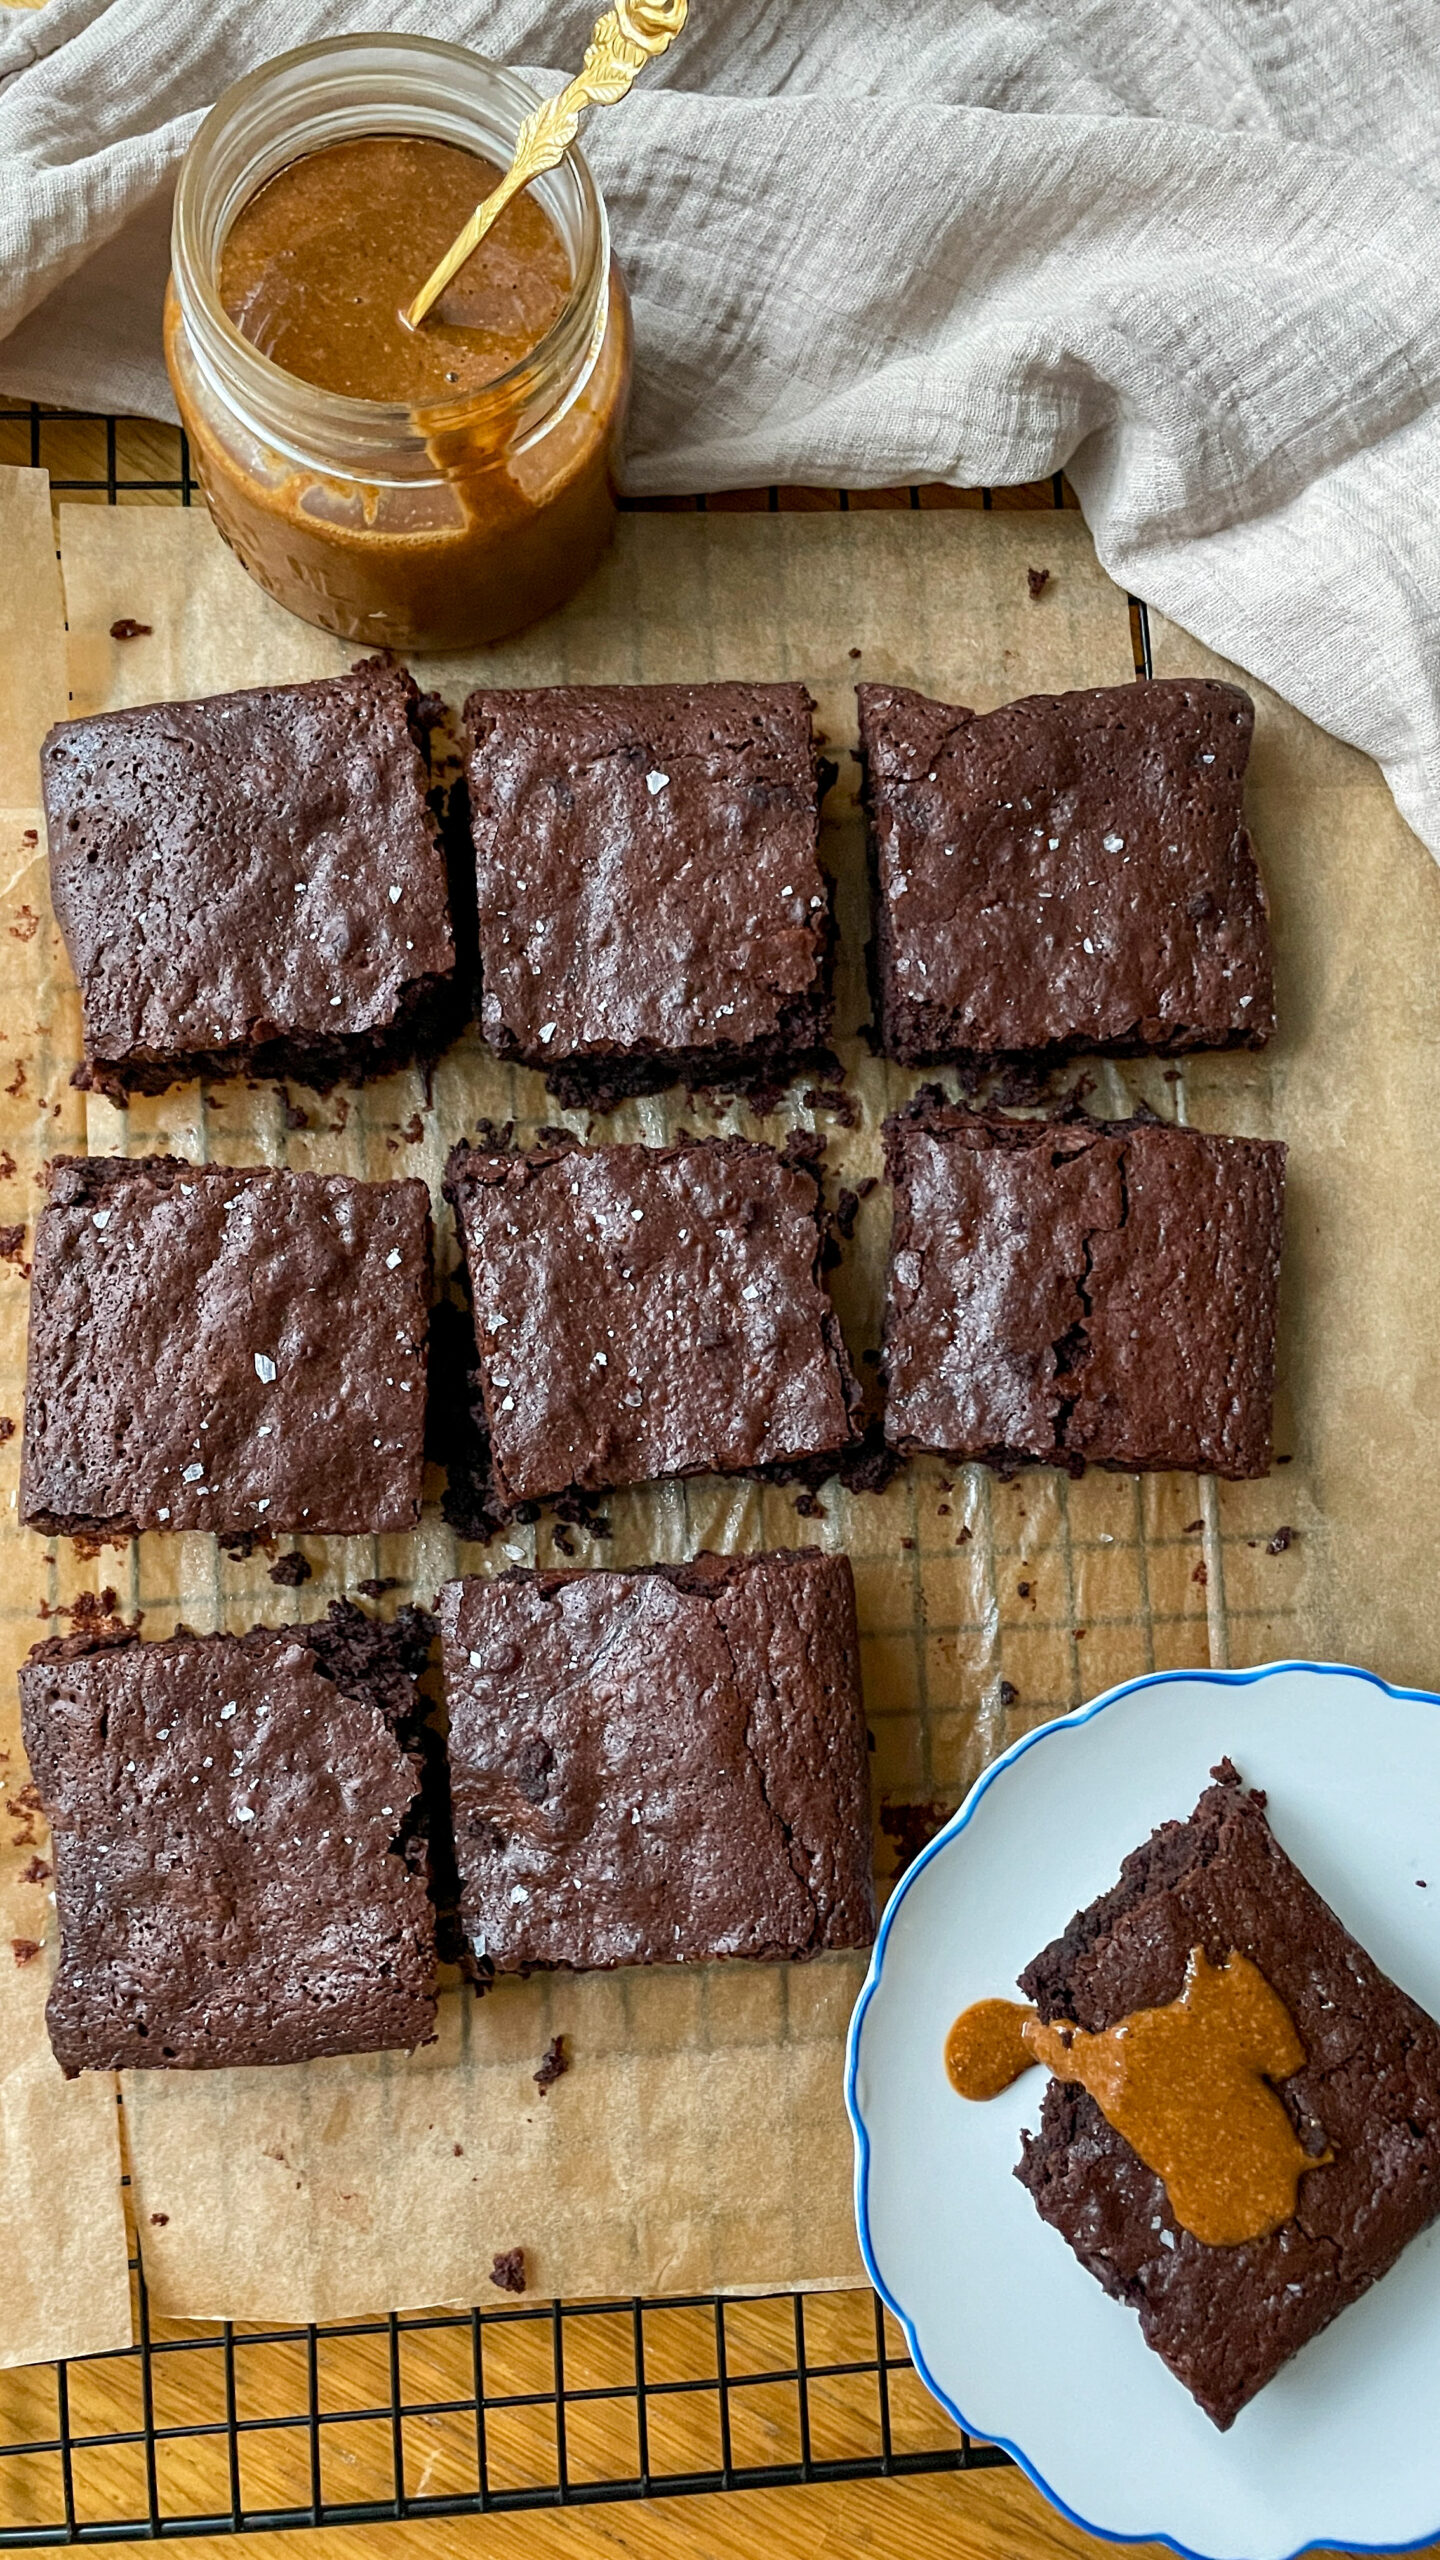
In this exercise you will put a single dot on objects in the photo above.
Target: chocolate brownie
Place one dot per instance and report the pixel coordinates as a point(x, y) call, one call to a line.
point(1070, 872)
point(1226, 2319)
point(239, 1843)
point(253, 883)
point(659, 1767)
point(648, 1311)
point(224, 1349)
point(1073, 1290)
point(650, 901)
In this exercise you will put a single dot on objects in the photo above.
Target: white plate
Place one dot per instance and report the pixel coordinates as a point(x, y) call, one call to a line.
point(1006, 2328)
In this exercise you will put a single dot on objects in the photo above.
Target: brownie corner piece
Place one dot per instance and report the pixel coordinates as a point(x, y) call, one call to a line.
point(651, 903)
point(1070, 872)
point(275, 1381)
point(1225, 2320)
point(239, 1838)
point(661, 1766)
point(642, 1312)
point(253, 883)
point(1081, 1291)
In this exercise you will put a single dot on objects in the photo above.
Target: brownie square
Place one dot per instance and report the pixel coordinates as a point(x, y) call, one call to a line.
point(252, 883)
point(1081, 1290)
point(233, 1350)
point(239, 1843)
point(648, 1311)
point(660, 1767)
point(650, 900)
point(1226, 2319)
point(1070, 872)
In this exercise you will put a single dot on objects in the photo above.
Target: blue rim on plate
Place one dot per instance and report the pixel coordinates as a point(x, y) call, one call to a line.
point(958, 1822)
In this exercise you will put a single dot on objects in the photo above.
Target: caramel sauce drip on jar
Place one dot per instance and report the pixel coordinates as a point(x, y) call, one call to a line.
point(420, 488)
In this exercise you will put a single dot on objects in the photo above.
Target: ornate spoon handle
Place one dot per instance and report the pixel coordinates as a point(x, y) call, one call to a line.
point(624, 40)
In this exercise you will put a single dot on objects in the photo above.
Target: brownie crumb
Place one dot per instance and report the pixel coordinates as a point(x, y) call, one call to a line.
point(375, 1585)
point(808, 1506)
point(1008, 1693)
point(1201, 1574)
point(160, 2219)
point(842, 1106)
point(1018, 1087)
point(290, 1571)
point(127, 628)
point(1283, 1538)
point(25, 1950)
point(1037, 580)
point(909, 1826)
point(1192, 1528)
point(508, 2272)
point(562, 1539)
point(36, 1873)
point(854, 653)
point(581, 1512)
point(554, 2063)
point(295, 1118)
point(12, 1243)
point(872, 1468)
point(90, 1612)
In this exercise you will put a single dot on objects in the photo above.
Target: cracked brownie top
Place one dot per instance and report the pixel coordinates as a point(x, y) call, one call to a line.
point(648, 1311)
point(1081, 1290)
point(650, 898)
point(1069, 872)
point(659, 1767)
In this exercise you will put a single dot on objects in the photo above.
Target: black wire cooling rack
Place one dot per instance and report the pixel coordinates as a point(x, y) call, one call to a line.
point(239, 2428)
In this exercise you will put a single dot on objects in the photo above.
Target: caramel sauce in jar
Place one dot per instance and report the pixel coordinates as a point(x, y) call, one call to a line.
point(416, 489)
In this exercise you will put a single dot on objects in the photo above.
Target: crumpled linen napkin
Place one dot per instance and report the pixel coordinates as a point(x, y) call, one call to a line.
point(1190, 252)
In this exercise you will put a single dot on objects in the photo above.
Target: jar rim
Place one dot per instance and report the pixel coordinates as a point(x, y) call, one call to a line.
point(525, 395)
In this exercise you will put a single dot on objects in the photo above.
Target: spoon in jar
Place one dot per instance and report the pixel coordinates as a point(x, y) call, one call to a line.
point(623, 41)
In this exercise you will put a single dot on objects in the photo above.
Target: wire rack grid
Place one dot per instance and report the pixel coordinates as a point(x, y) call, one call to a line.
point(243, 2428)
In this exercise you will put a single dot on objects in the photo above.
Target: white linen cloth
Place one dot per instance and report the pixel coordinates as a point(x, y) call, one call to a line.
point(1189, 250)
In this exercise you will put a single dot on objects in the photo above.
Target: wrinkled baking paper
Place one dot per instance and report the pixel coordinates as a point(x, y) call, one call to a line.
point(699, 2140)
point(67, 2290)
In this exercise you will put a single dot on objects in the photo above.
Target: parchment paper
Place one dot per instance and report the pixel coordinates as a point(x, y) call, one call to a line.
point(699, 2138)
point(67, 2290)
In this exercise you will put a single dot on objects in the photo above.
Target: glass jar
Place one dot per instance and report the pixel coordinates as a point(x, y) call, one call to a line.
point(409, 529)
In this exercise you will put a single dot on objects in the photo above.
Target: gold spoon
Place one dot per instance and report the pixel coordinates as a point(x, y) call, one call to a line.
point(623, 41)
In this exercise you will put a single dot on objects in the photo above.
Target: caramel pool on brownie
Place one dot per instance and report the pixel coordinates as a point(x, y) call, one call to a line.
point(1225, 2320)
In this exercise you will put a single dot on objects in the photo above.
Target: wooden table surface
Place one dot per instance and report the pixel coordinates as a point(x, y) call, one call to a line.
point(975, 2516)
